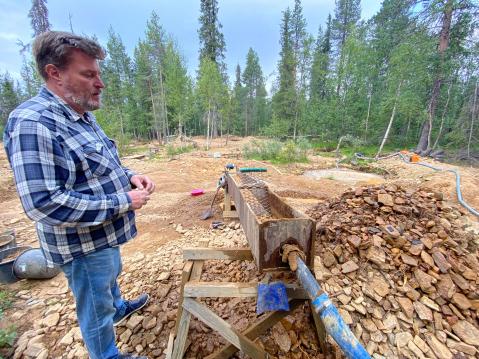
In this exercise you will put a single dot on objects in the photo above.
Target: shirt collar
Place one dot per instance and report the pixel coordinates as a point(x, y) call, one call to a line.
point(75, 116)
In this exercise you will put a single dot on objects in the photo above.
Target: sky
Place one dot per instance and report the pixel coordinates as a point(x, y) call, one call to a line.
point(246, 23)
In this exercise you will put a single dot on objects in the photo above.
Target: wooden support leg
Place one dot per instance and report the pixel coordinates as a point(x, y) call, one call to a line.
point(256, 330)
point(228, 212)
point(185, 277)
point(224, 329)
point(183, 320)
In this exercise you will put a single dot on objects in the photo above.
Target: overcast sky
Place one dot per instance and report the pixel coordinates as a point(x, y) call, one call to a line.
point(246, 23)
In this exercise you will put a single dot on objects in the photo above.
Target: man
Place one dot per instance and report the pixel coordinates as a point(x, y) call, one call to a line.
point(71, 183)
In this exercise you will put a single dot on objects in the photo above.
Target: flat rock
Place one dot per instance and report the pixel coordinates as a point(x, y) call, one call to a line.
point(134, 321)
point(380, 286)
point(461, 301)
point(462, 347)
point(467, 332)
point(281, 337)
point(441, 261)
point(423, 312)
point(51, 320)
point(425, 281)
point(406, 306)
point(329, 259)
point(349, 266)
point(385, 199)
point(403, 338)
point(376, 255)
point(441, 351)
point(411, 261)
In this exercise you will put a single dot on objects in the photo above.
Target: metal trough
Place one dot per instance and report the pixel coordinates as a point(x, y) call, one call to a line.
point(268, 222)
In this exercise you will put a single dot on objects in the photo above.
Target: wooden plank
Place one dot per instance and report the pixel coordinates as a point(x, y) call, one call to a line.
point(217, 253)
point(180, 341)
point(196, 270)
point(185, 277)
point(320, 329)
point(224, 329)
point(227, 202)
point(238, 290)
point(169, 347)
point(256, 330)
point(230, 214)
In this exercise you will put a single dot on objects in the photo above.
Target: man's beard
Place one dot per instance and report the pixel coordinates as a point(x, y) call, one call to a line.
point(82, 100)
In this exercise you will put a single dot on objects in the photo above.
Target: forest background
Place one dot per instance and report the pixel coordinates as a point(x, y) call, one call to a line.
point(407, 78)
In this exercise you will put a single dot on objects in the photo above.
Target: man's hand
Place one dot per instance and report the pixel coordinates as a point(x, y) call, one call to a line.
point(138, 198)
point(143, 182)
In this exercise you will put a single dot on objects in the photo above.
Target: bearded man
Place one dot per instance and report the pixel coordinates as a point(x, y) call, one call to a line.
point(71, 182)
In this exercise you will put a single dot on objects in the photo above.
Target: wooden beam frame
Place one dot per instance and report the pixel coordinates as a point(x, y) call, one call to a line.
point(225, 329)
point(239, 254)
point(255, 330)
point(238, 290)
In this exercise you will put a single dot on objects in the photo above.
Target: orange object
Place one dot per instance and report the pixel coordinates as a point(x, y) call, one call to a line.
point(414, 158)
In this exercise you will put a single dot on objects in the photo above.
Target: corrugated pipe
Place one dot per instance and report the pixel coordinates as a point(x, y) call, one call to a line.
point(332, 320)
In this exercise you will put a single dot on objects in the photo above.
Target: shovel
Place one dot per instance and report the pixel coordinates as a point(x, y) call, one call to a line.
point(209, 212)
point(271, 296)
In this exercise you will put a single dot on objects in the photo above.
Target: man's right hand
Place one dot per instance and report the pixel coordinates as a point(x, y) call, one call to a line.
point(138, 198)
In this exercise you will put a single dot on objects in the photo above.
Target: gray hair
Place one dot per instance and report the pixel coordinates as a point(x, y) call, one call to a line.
point(55, 47)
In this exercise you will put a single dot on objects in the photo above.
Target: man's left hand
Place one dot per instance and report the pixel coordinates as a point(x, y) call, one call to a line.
point(143, 182)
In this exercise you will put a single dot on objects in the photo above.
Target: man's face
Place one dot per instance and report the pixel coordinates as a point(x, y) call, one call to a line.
point(81, 82)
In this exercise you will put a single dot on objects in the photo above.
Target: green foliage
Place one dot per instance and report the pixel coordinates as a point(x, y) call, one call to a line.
point(8, 334)
point(276, 151)
point(5, 301)
point(172, 150)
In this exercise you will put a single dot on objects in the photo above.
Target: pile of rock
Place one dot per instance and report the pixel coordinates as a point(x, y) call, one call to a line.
point(402, 270)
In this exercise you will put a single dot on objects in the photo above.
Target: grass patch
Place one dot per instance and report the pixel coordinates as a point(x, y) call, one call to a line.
point(172, 150)
point(8, 334)
point(6, 299)
point(277, 152)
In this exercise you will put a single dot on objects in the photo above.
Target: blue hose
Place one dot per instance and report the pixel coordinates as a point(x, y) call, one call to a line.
point(334, 324)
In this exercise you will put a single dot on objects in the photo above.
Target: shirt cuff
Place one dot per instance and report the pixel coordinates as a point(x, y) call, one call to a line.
point(129, 173)
point(122, 203)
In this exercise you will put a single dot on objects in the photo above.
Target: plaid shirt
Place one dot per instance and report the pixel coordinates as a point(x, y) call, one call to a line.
point(69, 178)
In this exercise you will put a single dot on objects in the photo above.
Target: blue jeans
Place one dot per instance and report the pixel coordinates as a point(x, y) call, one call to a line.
point(92, 279)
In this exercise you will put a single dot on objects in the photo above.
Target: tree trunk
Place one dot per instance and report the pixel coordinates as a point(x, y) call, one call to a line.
point(155, 118)
point(425, 139)
point(369, 111)
point(443, 116)
point(208, 127)
point(473, 118)
point(386, 134)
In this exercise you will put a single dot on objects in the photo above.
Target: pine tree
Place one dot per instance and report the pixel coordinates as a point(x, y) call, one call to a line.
point(346, 15)
point(212, 95)
point(10, 97)
point(156, 41)
point(237, 103)
point(178, 88)
point(255, 94)
point(284, 100)
point(38, 15)
point(118, 96)
point(321, 63)
point(212, 43)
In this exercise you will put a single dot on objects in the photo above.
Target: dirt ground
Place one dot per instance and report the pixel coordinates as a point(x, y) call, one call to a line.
point(172, 204)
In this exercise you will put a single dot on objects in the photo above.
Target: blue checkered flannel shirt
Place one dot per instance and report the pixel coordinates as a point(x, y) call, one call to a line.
point(69, 178)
